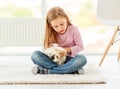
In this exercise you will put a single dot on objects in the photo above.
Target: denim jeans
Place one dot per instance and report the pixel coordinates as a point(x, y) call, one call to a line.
point(72, 64)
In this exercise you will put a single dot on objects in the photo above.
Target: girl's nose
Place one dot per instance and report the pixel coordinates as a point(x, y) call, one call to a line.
point(59, 28)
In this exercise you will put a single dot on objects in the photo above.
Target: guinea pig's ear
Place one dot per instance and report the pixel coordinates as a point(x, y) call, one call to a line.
point(61, 53)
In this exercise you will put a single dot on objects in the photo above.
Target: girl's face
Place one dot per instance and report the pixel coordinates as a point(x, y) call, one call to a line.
point(59, 24)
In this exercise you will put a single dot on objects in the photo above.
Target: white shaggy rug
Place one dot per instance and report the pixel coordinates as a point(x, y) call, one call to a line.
point(21, 74)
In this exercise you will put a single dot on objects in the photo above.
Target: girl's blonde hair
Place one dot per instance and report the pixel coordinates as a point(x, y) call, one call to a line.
point(51, 34)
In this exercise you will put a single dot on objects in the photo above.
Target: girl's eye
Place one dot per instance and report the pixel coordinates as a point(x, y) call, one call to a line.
point(55, 26)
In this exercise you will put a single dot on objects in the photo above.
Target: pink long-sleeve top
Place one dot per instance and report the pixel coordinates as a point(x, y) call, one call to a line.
point(71, 38)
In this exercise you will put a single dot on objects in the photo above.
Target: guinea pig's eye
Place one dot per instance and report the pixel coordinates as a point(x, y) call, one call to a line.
point(57, 57)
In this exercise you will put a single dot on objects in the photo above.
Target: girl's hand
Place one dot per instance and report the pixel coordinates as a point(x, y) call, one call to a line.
point(68, 50)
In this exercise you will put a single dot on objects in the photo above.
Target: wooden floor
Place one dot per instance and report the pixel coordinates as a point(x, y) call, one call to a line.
point(110, 66)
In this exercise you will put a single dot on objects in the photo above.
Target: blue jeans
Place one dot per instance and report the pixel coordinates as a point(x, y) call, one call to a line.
point(72, 64)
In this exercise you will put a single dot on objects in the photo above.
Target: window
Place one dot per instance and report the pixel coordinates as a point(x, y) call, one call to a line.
point(20, 8)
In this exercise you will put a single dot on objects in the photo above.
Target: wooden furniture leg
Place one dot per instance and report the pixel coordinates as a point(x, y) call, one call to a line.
point(110, 43)
point(119, 54)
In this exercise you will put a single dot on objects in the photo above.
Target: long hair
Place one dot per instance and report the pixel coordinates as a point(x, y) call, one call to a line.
point(51, 34)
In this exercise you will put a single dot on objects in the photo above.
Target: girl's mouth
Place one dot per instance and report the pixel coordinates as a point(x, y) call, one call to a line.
point(61, 31)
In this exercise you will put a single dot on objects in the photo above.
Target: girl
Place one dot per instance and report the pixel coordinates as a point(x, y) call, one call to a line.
point(60, 30)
